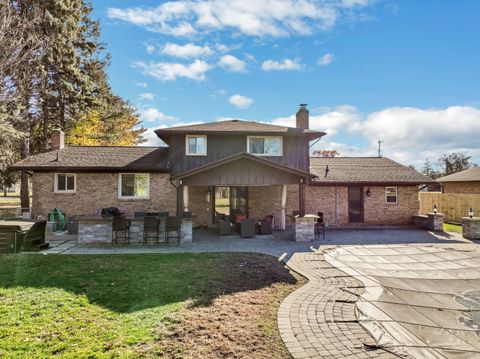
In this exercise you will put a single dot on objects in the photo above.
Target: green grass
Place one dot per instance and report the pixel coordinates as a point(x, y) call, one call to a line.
point(103, 306)
point(449, 227)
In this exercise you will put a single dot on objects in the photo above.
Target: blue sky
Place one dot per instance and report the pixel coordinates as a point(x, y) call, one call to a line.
point(406, 72)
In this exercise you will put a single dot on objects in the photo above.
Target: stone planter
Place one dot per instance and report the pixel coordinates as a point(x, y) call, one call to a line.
point(471, 227)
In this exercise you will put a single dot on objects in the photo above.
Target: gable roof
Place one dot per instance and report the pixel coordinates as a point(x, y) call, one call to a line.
point(469, 175)
point(98, 158)
point(237, 127)
point(241, 155)
point(363, 170)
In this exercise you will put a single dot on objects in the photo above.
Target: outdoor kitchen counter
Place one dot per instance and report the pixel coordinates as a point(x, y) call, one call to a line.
point(96, 229)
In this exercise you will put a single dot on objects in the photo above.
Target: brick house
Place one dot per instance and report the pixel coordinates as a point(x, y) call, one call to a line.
point(238, 168)
point(467, 181)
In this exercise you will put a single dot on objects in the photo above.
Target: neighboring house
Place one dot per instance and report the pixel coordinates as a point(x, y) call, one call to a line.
point(467, 181)
point(239, 168)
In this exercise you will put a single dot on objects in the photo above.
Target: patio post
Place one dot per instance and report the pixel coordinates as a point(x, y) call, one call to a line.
point(185, 198)
point(284, 202)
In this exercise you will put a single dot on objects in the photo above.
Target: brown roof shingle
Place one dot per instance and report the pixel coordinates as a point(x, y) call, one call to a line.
point(98, 158)
point(364, 170)
point(469, 175)
point(239, 127)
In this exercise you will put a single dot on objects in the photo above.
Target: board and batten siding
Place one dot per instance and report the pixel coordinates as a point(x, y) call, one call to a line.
point(295, 152)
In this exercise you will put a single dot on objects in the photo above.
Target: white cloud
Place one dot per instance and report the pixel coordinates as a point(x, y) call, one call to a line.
point(150, 48)
point(240, 101)
point(152, 114)
point(326, 59)
point(249, 17)
point(231, 63)
point(186, 51)
point(147, 96)
point(285, 65)
point(140, 84)
point(165, 71)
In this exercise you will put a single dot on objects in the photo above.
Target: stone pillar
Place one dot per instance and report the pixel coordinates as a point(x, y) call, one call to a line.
point(471, 227)
point(435, 222)
point(305, 228)
point(186, 230)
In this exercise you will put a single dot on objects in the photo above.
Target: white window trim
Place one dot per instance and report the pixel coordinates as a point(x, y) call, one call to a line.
point(266, 154)
point(187, 153)
point(396, 195)
point(55, 185)
point(133, 197)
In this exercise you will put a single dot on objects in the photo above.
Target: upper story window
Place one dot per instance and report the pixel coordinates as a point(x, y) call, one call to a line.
point(134, 186)
point(196, 145)
point(391, 194)
point(265, 145)
point(65, 182)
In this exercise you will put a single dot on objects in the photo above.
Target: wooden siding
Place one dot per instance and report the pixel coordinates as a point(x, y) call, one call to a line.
point(453, 205)
point(242, 172)
point(295, 152)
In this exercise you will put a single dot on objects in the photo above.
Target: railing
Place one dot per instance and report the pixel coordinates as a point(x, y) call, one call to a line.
point(453, 205)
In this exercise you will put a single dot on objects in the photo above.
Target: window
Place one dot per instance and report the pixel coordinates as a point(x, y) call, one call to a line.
point(134, 185)
point(391, 194)
point(65, 183)
point(265, 145)
point(196, 145)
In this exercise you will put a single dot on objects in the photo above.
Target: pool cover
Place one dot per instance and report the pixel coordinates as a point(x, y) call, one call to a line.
point(420, 301)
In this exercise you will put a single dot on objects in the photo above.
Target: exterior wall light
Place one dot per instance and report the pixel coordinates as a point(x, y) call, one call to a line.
point(368, 193)
point(435, 210)
point(470, 212)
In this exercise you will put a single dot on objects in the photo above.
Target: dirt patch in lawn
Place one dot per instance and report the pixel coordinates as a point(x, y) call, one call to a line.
point(238, 323)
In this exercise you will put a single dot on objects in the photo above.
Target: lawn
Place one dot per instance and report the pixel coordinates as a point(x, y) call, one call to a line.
point(170, 305)
point(449, 227)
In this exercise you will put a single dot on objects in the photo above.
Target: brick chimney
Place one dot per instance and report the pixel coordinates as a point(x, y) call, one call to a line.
point(302, 117)
point(58, 139)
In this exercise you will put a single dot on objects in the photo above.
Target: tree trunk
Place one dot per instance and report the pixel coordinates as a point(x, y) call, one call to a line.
point(45, 124)
point(24, 192)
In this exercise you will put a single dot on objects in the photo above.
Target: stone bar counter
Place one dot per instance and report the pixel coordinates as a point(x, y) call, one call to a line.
point(97, 229)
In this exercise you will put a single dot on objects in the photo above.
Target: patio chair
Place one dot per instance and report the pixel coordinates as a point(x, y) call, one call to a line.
point(172, 224)
point(224, 226)
point(152, 214)
point(139, 215)
point(320, 225)
point(265, 225)
point(247, 228)
point(120, 225)
point(151, 229)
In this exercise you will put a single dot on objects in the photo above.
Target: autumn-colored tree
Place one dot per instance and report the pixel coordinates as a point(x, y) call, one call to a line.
point(326, 153)
point(114, 124)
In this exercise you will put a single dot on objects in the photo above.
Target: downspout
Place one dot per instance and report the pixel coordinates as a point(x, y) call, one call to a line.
point(336, 204)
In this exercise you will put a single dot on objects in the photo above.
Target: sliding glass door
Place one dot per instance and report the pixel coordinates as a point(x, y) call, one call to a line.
point(231, 202)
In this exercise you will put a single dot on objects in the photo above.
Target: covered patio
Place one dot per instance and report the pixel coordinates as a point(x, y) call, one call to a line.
point(240, 187)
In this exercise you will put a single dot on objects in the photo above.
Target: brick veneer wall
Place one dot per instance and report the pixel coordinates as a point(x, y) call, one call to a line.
point(266, 200)
point(376, 211)
point(461, 187)
point(99, 190)
point(322, 199)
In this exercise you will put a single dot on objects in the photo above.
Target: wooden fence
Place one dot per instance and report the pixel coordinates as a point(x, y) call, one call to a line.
point(453, 205)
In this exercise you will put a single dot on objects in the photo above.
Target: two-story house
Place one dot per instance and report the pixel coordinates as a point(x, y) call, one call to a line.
point(238, 168)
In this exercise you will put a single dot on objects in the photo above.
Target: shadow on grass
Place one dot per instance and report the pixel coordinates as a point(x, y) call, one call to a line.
point(128, 283)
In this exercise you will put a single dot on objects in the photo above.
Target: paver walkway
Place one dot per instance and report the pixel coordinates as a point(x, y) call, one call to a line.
point(318, 320)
